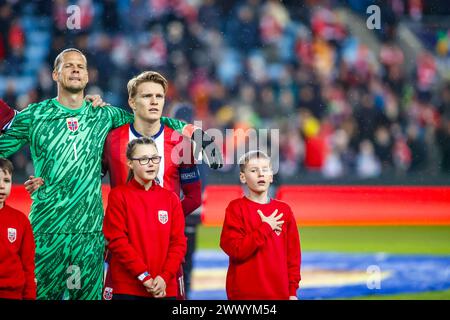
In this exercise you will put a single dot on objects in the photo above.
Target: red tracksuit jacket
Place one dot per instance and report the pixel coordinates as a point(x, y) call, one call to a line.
point(16, 255)
point(145, 233)
point(263, 265)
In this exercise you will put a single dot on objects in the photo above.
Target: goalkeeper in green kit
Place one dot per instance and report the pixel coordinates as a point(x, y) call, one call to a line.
point(66, 136)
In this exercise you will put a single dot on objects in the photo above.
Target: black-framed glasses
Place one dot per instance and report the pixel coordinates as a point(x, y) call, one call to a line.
point(146, 160)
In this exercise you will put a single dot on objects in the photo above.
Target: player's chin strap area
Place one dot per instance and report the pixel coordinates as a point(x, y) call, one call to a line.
point(204, 145)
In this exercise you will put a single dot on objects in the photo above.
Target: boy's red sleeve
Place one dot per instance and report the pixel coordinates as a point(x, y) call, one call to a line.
point(235, 241)
point(27, 252)
point(115, 231)
point(294, 255)
point(177, 245)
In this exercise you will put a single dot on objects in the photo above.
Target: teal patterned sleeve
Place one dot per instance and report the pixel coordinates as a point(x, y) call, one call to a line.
point(118, 116)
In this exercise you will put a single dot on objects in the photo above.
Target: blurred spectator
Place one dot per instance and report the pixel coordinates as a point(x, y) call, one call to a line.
point(383, 146)
point(60, 16)
point(16, 36)
point(333, 166)
point(267, 105)
point(443, 141)
point(367, 164)
point(444, 103)
point(291, 151)
point(391, 55)
point(101, 58)
point(367, 116)
point(45, 83)
point(315, 144)
point(415, 9)
point(342, 109)
point(243, 29)
point(426, 74)
point(110, 16)
point(401, 152)
point(417, 147)
point(10, 96)
point(87, 13)
point(6, 17)
point(209, 15)
point(274, 19)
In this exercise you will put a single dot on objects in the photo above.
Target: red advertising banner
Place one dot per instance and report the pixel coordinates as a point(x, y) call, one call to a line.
point(323, 205)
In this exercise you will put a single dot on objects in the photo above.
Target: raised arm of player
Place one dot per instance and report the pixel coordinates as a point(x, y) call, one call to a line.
point(202, 141)
point(212, 154)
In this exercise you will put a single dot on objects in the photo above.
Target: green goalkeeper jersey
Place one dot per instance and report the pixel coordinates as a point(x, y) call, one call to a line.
point(66, 147)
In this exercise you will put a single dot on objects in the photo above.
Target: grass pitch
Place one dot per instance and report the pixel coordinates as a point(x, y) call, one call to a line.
point(427, 240)
point(434, 240)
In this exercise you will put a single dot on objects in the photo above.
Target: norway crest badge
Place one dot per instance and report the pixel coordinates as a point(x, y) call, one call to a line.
point(12, 234)
point(108, 293)
point(163, 216)
point(72, 124)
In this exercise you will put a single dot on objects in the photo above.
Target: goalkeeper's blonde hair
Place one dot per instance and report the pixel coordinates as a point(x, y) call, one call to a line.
point(59, 58)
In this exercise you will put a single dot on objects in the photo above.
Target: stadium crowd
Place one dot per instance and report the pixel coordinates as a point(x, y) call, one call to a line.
point(341, 108)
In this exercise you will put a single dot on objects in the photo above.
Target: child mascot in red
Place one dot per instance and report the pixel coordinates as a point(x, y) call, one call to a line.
point(261, 238)
point(17, 248)
point(144, 229)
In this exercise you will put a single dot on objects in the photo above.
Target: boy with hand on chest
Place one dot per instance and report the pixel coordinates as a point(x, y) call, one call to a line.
point(260, 237)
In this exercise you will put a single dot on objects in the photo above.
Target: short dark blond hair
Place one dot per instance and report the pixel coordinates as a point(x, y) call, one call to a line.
point(146, 76)
point(243, 161)
point(58, 59)
point(6, 166)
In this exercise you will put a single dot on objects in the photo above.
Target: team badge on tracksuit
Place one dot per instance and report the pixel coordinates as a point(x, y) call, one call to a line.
point(12, 234)
point(108, 293)
point(72, 124)
point(163, 216)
